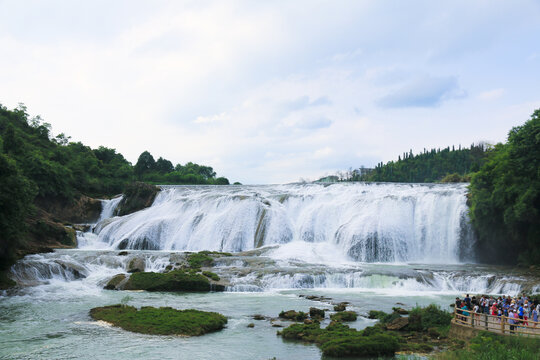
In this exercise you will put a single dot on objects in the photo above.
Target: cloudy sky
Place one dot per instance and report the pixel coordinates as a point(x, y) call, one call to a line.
point(273, 91)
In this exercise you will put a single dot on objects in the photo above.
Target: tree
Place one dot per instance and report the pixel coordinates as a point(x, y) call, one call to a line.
point(145, 164)
point(505, 198)
point(164, 166)
point(15, 204)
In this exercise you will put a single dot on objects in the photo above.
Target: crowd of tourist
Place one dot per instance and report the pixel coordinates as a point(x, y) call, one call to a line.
point(519, 310)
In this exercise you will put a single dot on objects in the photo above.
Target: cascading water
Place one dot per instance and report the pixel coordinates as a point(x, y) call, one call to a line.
point(362, 222)
point(348, 236)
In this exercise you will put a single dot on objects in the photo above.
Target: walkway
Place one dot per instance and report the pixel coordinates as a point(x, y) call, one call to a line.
point(496, 324)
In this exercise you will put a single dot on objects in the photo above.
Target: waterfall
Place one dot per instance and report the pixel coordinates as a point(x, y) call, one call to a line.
point(108, 207)
point(363, 222)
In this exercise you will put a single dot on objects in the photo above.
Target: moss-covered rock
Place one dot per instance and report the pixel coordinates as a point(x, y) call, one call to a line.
point(160, 321)
point(136, 264)
point(344, 316)
point(114, 283)
point(316, 313)
point(200, 259)
point(176, 280)
point(137, 196)
point(340, 307)
point(211, 275)
point(293, 315)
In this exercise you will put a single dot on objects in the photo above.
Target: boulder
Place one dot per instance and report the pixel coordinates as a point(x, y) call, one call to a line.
point(115, 281)
point(136, 265)
point(340, 307)
point(316, 313)
point(137, 196)
point(398, 324)
point(400, 311)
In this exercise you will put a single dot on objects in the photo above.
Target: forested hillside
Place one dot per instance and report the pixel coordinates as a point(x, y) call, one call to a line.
point(435, 165)
point(505, 198)
point(43, 178)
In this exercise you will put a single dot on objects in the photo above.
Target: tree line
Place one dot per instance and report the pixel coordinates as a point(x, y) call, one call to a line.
point(435, 165)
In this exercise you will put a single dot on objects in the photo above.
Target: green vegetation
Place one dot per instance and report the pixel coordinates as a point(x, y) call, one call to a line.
point(199, 259)
point(344, 316)
point(423, 319)
point(160, 321)
point(176, 280)
point(293, 315)
point(162, 172)
point(339, 340)
point(505, 198)
point(383, 317)
point(44, 177)
point(490, 346)
point(211, 275)
point(446, 165)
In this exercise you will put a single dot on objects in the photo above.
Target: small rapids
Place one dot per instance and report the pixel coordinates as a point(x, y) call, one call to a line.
point(247, 272)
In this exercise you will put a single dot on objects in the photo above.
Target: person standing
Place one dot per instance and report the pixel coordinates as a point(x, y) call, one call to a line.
point(511, 320)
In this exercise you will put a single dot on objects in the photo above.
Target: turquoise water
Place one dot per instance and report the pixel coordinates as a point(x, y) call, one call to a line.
point(52, 322)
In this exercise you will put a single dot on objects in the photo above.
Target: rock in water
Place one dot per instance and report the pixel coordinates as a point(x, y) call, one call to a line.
point(115, 281)
point(315, 313)
point(136, 265)
point(400, 311)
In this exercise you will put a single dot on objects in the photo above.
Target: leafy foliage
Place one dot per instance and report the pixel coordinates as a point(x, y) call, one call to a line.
point(429, 166)
point(505, 198)
point(160, 321)
point(432, 316)
point(16, 196)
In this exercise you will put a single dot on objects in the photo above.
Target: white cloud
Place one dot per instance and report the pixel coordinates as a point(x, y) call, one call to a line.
point(267, 92)
point(491, 94)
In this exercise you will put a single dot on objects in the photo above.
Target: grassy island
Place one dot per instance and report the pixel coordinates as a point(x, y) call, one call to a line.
point(160, 321)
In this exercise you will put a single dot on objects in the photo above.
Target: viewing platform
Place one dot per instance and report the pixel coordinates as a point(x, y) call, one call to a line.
point(464, 325)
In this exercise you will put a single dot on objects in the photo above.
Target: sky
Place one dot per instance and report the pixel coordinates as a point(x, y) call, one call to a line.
point(273, 91)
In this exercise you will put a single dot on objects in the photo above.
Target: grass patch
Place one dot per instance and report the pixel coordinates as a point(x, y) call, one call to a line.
point(490, 346)
point(160, 321)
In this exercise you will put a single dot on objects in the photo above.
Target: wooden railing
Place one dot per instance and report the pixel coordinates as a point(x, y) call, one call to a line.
point(498, 324)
